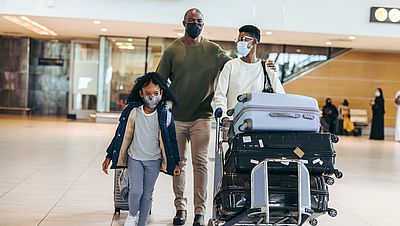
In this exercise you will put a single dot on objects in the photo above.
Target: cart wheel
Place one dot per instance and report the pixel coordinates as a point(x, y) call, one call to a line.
point(338, 174)
point(330, 180)
point(213, 222)
point(117, 211)
point(334, 138)
point(313, 222)
point(332, 212)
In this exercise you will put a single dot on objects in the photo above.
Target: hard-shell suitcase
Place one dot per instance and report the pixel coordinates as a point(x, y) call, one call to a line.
point(247, 149)
point(119, 202)
point(275, 112)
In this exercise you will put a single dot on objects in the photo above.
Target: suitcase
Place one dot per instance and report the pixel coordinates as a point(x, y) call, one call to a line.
point(275, 112)
point(234, 194)
point(119, 202)
point(248, 149)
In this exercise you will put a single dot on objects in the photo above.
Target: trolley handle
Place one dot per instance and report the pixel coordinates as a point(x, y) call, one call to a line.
point(218, 113)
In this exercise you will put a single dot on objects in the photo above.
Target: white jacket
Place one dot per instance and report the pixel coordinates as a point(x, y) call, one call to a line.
point(238, 77)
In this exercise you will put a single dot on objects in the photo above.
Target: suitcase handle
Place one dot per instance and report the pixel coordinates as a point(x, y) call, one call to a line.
point(284, 115)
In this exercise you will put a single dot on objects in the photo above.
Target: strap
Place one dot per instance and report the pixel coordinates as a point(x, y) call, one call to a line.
point(269, 89)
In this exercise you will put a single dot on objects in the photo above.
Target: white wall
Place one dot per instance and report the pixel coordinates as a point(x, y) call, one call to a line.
point(318, 16)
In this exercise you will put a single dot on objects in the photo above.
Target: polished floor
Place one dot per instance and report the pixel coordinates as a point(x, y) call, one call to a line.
point(50, 175)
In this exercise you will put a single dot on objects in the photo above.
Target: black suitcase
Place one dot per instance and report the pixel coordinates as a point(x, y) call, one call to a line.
point(233, 195)
point(247, 149)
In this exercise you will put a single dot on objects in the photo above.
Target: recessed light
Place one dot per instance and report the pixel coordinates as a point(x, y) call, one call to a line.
point(352, 37)
point(30, 25)
point(104, 29)
point(298, 50)
point(328, 43)
point(268, 33)
point(130, 39)
point(97, 22)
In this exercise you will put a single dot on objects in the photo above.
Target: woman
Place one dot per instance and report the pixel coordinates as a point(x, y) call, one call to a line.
point(397, 103)
point(348, 125)
point(378, 111)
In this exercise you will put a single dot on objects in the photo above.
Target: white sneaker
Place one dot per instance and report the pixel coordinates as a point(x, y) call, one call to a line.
point(131, 220)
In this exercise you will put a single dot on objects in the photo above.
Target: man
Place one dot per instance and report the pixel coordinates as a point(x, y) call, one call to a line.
point(244, 74)
point(192, 64)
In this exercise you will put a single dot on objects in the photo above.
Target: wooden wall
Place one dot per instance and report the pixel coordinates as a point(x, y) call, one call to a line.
point(354, 76)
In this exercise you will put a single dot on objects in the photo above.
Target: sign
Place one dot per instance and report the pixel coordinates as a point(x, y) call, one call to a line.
point(385, 15)
point(51, 62)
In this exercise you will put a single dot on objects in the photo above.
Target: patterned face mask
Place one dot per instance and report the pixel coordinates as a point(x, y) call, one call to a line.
point(151, 101)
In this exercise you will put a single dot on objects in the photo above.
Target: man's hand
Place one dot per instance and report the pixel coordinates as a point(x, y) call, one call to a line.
point(177, 171)
point(105, 165)
point(271, 65)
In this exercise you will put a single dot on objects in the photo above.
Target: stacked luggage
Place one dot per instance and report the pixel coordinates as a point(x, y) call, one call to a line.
point(280, 132)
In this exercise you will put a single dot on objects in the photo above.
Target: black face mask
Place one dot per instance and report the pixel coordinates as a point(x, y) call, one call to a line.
point(193, 30)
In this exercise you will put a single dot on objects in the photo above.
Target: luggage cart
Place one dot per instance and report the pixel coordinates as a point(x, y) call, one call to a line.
point(261, 211)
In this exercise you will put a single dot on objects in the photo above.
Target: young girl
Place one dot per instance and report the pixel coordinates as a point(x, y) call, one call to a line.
point(145, 143)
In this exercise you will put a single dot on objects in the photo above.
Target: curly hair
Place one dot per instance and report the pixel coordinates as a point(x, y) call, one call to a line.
point(144, 80)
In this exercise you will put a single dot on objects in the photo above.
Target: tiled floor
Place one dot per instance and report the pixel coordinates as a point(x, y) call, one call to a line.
point(50, 175)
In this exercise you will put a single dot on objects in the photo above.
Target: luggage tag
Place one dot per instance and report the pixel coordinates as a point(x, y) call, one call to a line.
point(299, 152)
point(246, 139)
point(318, 160)
point(261, 143)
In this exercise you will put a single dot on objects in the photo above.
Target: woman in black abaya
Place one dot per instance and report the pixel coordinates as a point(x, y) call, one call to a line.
point(378, 111)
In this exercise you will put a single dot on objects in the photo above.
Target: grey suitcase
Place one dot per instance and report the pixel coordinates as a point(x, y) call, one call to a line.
point(119, 202)
point(275, 112)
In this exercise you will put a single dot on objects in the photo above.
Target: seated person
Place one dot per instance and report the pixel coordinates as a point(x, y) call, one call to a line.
point(244, 74)
point(348, 125)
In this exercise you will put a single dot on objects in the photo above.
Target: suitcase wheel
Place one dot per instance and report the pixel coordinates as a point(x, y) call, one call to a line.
point(329, 180)
point(334, 138)
point(338, 174)
point(117, 211)
point(332, 212)
point(313, 222)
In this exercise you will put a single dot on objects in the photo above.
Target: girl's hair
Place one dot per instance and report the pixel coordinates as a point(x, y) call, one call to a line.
point(144, 80)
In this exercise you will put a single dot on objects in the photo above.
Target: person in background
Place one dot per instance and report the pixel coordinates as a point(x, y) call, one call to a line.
point(378, 112)
point(348, 125)
point(244, 74)
point(145, 143)
point(397, 103)
point(330, 115)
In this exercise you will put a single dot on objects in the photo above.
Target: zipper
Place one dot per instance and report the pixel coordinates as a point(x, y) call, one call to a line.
point(267, 109)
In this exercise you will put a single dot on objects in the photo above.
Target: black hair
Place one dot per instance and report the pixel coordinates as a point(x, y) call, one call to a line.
point(192, 9)
point(327, 100)
point(144, 80)
point(381, 92)
point(253, 30)
point(345, 102)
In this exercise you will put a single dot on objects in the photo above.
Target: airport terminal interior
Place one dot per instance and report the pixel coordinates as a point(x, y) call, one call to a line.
point(67, 69)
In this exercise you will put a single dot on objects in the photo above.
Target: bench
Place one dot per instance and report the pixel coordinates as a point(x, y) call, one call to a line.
point(360, 119)
point(24, 109)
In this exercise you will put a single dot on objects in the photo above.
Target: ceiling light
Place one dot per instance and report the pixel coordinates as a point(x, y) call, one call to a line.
point(328, 43)
point(180, 34)
point(130, 39)
point(298, 50)
point(104, 29)
point(352, 37)
point(394, 15)
point(97, 22)
point(268, 33)
point(30, 25)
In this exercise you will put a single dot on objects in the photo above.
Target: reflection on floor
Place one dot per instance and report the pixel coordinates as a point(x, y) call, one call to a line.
point(50, 175)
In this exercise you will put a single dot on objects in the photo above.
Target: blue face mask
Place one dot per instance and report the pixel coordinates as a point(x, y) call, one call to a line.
point(242, 48)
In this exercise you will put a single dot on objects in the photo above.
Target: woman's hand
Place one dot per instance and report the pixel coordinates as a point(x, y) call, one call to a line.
point(105, 165)
point(177, 171)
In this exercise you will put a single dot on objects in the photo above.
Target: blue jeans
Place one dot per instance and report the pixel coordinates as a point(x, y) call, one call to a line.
point(142, 176)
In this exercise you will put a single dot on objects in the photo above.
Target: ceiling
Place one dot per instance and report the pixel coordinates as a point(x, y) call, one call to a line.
point(68, 29)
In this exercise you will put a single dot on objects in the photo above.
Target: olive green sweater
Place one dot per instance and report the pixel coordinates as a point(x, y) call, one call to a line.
point(192, 71)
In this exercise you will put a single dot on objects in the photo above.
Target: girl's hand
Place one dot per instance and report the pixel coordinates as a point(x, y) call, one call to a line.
point(177, 171)
point(105, 165)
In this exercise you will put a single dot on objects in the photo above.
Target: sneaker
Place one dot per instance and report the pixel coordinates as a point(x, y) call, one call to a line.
point(131, 220)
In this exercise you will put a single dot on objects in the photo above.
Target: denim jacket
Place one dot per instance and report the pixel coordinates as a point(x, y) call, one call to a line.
point(117, 151)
